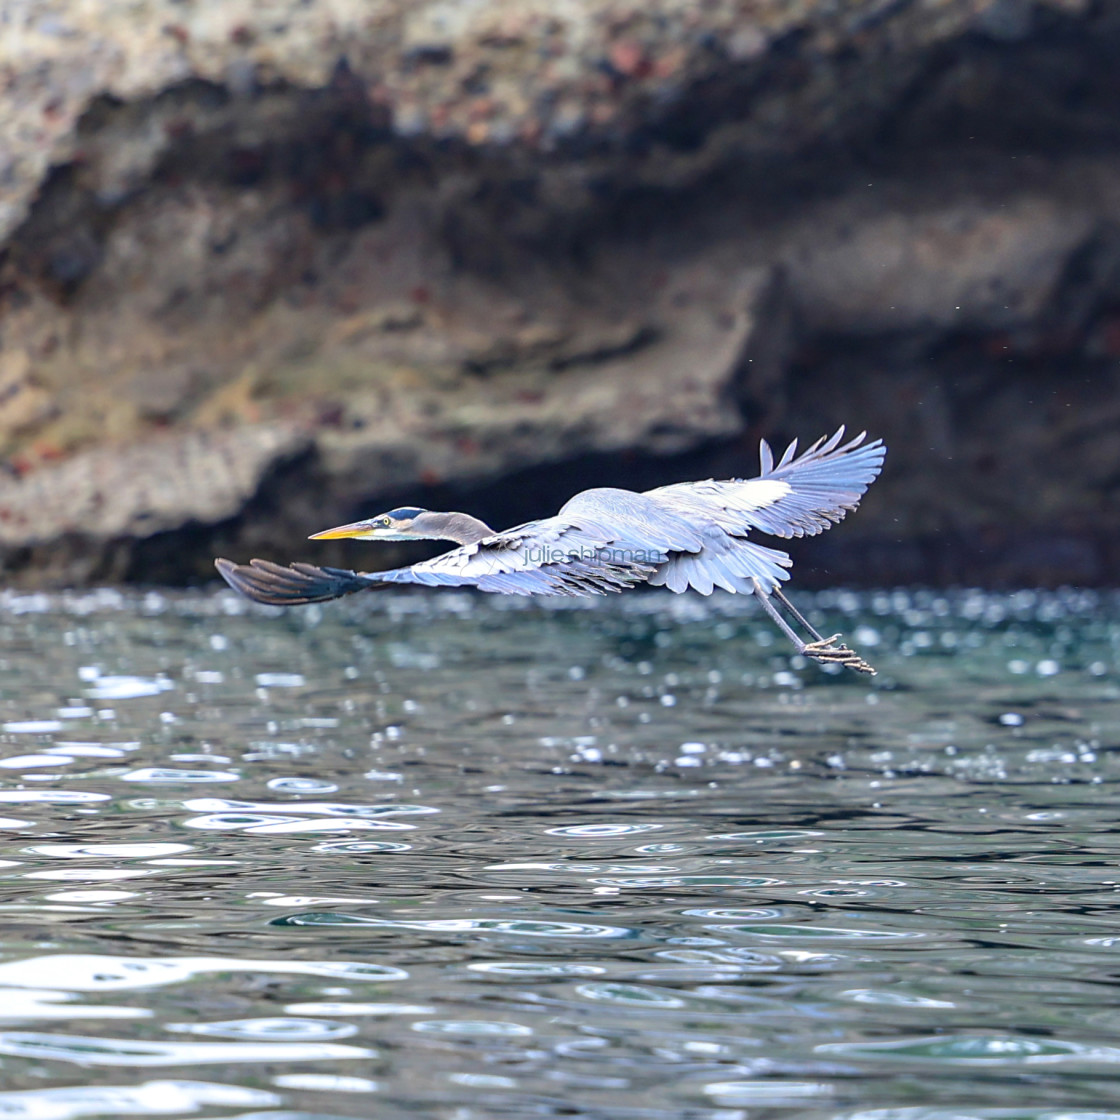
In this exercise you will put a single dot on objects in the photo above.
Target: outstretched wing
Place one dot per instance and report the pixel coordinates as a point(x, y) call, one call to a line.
point(554, 556)
point(798, 497)
point(550, 557)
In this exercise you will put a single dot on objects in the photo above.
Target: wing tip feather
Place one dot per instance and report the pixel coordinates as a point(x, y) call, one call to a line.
point(265, 582)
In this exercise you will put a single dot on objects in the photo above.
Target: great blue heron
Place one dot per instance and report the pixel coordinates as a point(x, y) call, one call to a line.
point(688, 535)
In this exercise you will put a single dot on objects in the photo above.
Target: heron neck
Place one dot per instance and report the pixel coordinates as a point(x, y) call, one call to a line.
point(460, 528)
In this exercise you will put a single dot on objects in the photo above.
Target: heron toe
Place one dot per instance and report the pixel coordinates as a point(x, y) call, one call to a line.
point(827, 653)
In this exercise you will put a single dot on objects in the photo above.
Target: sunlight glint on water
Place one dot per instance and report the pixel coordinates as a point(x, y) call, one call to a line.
point(456, 857)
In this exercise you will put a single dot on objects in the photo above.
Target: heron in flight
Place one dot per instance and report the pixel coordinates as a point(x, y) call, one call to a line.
point(688, 535)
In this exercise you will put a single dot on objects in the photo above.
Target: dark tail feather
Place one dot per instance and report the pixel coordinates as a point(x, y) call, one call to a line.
point(265, 582)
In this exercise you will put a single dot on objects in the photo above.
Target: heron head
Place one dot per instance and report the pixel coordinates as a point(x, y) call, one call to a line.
point(404, 524)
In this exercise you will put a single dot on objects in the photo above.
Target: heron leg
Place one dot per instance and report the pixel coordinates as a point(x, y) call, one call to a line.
point(777, 619)
point(820, 649)
point(780, 596)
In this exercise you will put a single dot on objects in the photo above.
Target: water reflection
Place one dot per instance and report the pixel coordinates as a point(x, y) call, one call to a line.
point(465, 858)
point(151, 1098)
point(88, 1050)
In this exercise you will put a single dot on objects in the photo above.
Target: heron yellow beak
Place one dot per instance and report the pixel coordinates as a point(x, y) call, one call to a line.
point(361, 530)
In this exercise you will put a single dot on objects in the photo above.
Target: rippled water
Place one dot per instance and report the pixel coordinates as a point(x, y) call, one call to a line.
point(454, 857)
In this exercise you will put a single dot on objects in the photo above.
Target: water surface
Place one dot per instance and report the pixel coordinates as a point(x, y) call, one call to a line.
point(462, 857)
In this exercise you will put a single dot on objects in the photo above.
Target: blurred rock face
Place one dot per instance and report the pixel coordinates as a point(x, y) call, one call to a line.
point(267, 266)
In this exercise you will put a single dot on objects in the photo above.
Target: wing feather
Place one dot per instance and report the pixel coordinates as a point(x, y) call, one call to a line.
point(767, 457)
point(265, 582)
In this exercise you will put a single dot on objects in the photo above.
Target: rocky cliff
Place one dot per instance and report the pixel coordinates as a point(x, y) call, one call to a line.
point(268, 266)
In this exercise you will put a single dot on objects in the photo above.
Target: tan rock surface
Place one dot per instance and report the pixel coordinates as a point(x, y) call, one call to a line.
point(552, 67)
point(266, 263)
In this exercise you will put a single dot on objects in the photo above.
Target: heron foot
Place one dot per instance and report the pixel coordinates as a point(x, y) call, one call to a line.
point(827, 652)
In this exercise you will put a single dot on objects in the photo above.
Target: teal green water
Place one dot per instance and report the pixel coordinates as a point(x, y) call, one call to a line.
point(455, 857)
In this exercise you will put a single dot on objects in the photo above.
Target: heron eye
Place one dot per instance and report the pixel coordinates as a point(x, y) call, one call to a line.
point(384, 521)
